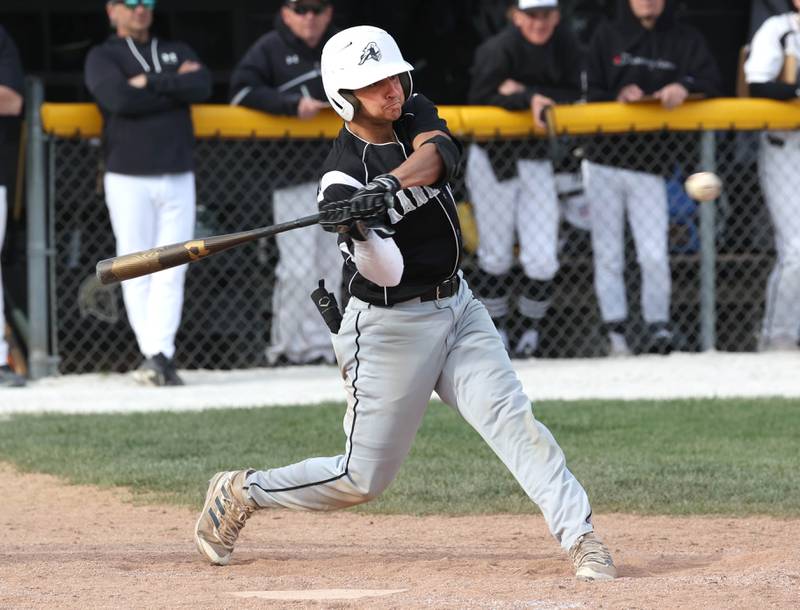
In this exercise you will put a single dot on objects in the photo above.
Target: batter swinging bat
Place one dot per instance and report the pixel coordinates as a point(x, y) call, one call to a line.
point(137, 264)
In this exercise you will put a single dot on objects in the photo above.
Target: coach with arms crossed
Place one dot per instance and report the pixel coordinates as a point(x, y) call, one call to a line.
point(280, 75)
point(11, 86)
point(644, 53)
point(144, 87)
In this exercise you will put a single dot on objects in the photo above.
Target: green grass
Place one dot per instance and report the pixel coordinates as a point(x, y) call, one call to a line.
point(731, 457)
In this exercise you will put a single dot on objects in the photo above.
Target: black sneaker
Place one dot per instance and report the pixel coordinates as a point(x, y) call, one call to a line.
point(9, 379)
point(661, 339)
point(157, 371)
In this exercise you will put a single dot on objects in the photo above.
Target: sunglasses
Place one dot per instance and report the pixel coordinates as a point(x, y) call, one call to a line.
point(302, 9)
point(134, 3)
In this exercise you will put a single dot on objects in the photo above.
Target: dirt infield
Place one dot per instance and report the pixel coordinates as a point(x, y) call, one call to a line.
point(71, 547)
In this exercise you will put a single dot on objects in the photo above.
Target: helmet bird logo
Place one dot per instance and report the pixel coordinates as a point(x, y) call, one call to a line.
point(371, 51)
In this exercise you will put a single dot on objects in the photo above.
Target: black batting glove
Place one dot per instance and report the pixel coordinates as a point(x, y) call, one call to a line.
point(367, 208)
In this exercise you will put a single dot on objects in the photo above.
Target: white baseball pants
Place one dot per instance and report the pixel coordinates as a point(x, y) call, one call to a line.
point(525, 206)
point(3, 213)
point(612, 193)
point(149, 211)
point(781, 186)
point(391, 359)
point(298, 331)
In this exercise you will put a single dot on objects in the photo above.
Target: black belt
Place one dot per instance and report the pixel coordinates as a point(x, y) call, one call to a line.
point(447, 288)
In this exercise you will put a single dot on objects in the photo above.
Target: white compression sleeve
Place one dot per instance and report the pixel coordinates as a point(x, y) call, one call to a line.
point(378, 259)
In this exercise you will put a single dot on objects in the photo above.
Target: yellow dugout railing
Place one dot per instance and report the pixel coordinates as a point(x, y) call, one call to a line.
point(84, 120)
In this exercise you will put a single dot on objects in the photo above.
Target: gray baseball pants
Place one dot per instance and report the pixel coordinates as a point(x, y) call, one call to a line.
point(391, 360)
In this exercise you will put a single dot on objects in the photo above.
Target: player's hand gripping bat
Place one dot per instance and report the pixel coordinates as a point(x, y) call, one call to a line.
point(137, 264)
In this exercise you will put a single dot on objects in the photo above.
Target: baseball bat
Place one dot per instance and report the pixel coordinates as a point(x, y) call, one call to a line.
point(137, 264)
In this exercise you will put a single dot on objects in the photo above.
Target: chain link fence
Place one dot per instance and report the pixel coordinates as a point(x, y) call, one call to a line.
point(545, 258)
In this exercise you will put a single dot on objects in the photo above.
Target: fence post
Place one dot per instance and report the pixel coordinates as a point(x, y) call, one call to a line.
point(40, 363)
point(708, 250)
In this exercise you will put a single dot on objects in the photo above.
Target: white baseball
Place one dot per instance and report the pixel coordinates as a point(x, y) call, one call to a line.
point(703, 186)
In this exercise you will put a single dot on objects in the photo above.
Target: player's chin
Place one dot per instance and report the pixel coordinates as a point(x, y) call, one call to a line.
point(393, 111)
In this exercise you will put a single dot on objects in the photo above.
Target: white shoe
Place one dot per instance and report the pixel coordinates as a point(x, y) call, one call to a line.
point(223, 516)
point(592, 559)
point(617, 345)
point(527, 345)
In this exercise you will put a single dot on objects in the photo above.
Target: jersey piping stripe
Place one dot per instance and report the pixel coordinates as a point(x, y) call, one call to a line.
point(300, 79)
point(240, 96)
point(349, 435)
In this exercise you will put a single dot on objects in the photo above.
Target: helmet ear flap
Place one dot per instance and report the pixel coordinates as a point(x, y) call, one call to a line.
point(351, 98)
point(406, 83)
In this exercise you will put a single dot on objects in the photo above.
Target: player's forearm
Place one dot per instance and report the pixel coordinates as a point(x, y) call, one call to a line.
point(422, 168)
point(10, 102)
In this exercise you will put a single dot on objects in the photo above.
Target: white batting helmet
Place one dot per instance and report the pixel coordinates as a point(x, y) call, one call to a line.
point(357, 57)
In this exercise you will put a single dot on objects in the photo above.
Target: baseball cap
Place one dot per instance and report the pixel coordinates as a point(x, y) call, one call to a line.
point(529, 5)
point(134, 3)
point(303, 6)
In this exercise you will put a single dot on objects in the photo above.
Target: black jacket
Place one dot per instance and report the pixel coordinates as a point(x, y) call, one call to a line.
point(623, 52)
point(553, 69)
point(11, 77)
point(146, 131)
point(277, 71)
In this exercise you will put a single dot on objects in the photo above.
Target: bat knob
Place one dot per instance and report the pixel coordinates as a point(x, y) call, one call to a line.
point(105, 273)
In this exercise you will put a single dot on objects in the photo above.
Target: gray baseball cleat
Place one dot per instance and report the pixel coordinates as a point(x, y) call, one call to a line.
point(224, 514)
point(592, 559)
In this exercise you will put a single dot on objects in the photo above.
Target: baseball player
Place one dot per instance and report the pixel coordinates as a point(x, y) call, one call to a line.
point(411, 325)
point(11, 89)
point(779, 156)
point(144, 87)
point(280, 75)
point(532, 64)
point(643, 52)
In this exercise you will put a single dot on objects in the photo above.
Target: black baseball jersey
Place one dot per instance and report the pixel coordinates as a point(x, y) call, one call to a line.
point(146, 131)
point(11, 77)
point(425, 221)
point(277, 71)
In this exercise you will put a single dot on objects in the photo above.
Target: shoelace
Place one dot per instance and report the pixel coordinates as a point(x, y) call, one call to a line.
point(232, 522)
point(590, 549)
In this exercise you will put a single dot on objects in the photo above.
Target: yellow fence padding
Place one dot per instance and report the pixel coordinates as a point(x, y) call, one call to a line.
point(482, 122)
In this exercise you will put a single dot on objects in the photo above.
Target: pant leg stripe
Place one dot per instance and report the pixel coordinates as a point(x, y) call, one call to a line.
point(349, 435)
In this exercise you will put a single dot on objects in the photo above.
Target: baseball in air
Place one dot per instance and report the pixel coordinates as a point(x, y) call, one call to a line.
point(703, 186)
